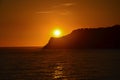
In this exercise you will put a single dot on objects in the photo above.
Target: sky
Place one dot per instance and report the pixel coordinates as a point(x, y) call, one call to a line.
point(31, 22)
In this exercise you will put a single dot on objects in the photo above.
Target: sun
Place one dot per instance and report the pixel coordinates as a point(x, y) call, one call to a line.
point(57, 33)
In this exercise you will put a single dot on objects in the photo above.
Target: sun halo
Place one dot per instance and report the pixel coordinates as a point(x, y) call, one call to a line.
point(57, 33)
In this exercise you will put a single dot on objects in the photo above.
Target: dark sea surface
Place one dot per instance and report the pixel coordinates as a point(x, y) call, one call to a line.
point(37, 64)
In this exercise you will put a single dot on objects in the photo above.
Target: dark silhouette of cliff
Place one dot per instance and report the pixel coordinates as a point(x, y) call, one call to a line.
point(88, 38)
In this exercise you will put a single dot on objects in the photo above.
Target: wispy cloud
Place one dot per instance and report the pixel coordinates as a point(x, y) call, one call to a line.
point(44, 12)
point(55, 9)
point(55, 12)
point(68, 4)
point(64, 5)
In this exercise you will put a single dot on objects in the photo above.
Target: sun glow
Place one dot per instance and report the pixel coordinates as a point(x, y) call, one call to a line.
point(57, 33)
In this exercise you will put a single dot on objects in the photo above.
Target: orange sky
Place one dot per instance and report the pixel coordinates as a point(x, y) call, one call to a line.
point(31, 22)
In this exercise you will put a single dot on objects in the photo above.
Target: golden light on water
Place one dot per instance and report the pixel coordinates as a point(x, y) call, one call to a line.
point(57, 33)
point(59, 72)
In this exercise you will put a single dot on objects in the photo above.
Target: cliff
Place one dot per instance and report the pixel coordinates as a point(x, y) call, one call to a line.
point(88, 38)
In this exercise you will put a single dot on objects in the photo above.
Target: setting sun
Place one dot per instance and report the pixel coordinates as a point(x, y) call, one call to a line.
point(57, 33)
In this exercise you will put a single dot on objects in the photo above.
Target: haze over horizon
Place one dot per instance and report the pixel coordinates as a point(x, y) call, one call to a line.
point(30, 22)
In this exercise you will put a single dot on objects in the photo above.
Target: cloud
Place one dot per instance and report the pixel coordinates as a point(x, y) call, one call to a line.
point(68, 4)
point(57, 9)
point(54, 12)
point(64, 5)
point(44, 12)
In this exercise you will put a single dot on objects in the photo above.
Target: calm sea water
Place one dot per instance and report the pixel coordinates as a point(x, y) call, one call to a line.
point(31, 64)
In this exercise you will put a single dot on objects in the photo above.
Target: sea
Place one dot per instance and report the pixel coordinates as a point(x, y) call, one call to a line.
point(34, 63)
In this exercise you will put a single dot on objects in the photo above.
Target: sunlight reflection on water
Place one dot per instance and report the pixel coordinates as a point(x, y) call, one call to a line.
point(59, 72)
